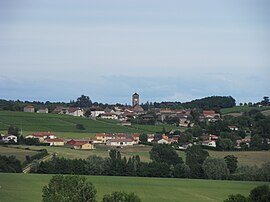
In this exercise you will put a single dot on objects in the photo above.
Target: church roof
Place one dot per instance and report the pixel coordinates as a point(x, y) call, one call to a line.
point(138, 108)
point(135, 94)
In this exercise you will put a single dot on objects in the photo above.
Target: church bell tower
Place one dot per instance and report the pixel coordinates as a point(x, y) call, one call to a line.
point(135, 99)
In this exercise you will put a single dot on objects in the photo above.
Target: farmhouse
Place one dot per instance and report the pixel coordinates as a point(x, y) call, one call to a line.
point(29, 108)
point(55, 142)
point(80, 144)
point(120, 142)
point(95, 112)
point(8, 138)
point(42, 136)
point(74, 111)
point(210, 115)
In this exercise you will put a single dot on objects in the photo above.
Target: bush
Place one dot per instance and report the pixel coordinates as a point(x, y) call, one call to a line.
point(121, 197)
point(69, 189)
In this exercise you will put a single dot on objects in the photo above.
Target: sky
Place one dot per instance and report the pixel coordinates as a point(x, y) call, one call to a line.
point(164, 50)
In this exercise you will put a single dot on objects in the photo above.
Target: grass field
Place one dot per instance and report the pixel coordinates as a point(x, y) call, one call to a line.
point(27, 187)
point(33, 122)
point(240, 109)
point(101, 150)
point(18, 153)
point(245, 157)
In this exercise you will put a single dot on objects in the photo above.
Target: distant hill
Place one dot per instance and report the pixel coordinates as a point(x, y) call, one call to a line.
point(241, 109)
point(214, 102)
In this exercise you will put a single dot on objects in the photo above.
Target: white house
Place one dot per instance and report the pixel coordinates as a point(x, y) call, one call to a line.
point(7, 138)
point(29, 108)
point(42, 136)
point(109, 116)
point(75, 111)
point(209, 143)
point(43, 111)
point(120, 142)
point(96, 112)
point(55, 142)
point(150, 138)
point(163, 141)
point(233, 128)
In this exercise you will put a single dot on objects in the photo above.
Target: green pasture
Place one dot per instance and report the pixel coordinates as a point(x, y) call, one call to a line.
point(28, 187)
point(241, 109)
point(65, 125)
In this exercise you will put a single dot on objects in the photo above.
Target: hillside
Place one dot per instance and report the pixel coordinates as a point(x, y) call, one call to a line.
point(26, 187)
point(241, 109)
point(65, 123)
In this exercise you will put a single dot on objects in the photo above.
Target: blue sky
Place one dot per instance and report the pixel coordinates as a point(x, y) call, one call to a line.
point(164, 50)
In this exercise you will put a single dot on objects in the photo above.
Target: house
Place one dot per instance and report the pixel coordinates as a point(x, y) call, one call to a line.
point(29, 108)
point(95, 112)
point(75, 111)
point(150, 137)
point(80, 144)
point(120, 142)
point(137, 109)
point(55, 142)
point(209, 143)
point(233, 128)
point(42, 136)
point(7, 138)
point(43, 111)
point(162, 141)
point(211, 115)
point(109, 116)
point(103, 137)
point(174, 138)
point(136, 138)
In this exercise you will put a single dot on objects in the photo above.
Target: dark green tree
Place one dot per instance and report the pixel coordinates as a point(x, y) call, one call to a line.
point(165, 153)
point(260, 194)
point(69, 189)
point(231, 162)
point(181, 170)
point(14, 131)
point(215, 168)
point(83, 101)
point(195, 157)
point(143, 137)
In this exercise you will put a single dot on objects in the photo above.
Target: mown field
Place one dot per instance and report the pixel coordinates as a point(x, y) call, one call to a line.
point(244, 157)
point(33, 122)
point(101, 150)
point(27, 187)
point(241, 109)
point(20, 154)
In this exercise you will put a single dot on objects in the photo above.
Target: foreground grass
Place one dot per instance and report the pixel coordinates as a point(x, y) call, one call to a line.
point(27, 187)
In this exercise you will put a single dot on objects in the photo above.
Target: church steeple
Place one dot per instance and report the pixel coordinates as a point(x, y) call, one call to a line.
point(135, 99)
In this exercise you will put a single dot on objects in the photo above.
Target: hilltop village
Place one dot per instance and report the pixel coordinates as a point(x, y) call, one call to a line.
point(193, 126)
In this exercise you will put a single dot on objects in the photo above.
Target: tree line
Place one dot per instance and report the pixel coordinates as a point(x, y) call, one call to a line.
point(165, 163)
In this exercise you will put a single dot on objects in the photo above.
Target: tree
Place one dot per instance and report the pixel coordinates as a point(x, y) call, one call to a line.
point(69, 189)
point(181, 170)
point(231, 162)
point(143, 137)
point(13, 131)
point(121, 197)
point(194, 159)
point(9, 164)
point(83, 101)
point(225, 144)
point(215, 168)
point(87, 113)
point(260, 194)
point(165, 153)
point(96, 165)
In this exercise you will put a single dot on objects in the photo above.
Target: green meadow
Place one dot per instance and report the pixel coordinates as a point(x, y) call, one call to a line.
point(241, 109)
point(66, 124)
point(28, 187)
